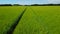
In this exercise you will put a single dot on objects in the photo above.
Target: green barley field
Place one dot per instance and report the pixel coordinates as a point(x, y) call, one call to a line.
point(35, 20)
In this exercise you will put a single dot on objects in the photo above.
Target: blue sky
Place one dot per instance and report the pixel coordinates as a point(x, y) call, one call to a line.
point(28, 1)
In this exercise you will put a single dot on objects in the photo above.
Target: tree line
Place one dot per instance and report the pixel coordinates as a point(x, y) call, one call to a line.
point(10, 5)
point(30, 5)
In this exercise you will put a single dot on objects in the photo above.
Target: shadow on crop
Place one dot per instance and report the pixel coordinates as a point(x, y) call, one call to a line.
point(12, 28)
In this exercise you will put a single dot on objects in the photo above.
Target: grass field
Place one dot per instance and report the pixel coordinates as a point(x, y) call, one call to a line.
point(35, 20)
point(8, 16)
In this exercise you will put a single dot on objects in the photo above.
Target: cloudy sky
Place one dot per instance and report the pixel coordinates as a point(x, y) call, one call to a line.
point(28, 1)
point(54, 1)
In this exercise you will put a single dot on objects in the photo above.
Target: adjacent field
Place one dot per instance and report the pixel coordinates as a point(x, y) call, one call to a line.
point(40, 20)
point(8, 16)
point(35, 20)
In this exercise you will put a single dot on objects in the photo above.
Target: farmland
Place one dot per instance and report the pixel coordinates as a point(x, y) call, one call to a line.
point(8, 16)
point(35, 20)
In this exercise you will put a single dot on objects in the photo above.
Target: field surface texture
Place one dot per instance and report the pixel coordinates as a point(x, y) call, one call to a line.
point(8, 16)
point(35, 19)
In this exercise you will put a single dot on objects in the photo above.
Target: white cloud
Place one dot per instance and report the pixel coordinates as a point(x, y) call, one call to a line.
point(54, 1)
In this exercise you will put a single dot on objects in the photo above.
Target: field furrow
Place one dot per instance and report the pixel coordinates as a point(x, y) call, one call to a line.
point(8, 16)
point(40, 20)
point(35, 19)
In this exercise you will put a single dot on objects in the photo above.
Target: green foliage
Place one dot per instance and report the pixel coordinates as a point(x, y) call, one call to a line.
point(36, 19)
point(8, 16)
point(40, 20)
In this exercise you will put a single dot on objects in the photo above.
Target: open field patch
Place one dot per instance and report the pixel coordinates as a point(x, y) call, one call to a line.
point(35, 20)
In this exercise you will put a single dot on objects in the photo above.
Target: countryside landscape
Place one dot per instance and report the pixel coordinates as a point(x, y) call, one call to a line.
point(30, 19)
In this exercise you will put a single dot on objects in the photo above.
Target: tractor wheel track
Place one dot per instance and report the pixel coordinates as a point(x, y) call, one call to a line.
point(12, 28)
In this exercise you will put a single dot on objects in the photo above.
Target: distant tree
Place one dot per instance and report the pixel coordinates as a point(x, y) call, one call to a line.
point(35, 5)
point(5, 5)
point(16, 5)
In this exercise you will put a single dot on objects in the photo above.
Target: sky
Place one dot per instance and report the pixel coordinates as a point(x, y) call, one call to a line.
point(54, 1)
point(29, 1)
